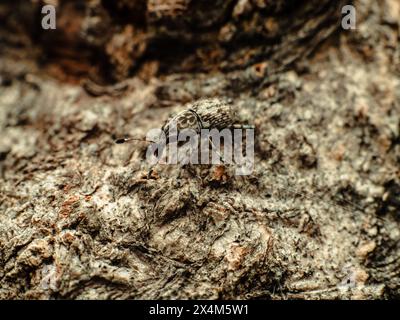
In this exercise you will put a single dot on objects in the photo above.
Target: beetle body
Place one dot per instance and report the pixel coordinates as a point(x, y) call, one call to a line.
point(213, 113)
point(203, 114)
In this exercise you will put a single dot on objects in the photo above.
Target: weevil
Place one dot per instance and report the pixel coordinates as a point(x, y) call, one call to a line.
point(205, 114)
point(213, 113)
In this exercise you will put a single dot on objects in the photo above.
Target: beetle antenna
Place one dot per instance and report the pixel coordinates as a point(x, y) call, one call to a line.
point(125, 140)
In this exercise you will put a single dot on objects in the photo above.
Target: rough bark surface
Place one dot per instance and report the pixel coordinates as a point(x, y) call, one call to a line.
point(81, 218)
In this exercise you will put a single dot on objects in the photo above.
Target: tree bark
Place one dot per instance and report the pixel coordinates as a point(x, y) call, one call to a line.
point(81, 217)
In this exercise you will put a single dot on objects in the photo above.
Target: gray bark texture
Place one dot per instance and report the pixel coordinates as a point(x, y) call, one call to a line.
point(82, 218)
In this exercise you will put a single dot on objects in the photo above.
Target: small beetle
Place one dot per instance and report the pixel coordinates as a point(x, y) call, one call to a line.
point(211, 113)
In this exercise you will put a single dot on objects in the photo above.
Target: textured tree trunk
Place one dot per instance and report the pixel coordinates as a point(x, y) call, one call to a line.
point(82, 217)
